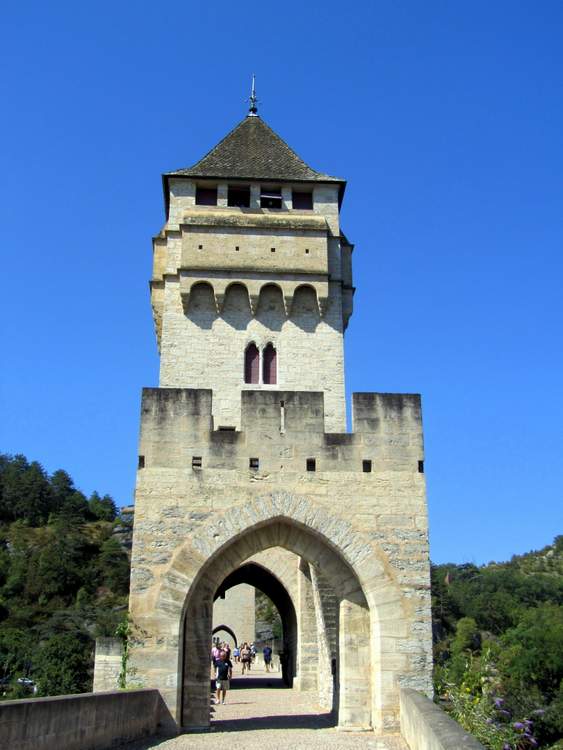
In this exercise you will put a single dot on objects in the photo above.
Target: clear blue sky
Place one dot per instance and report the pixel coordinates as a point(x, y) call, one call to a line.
point(447, 120)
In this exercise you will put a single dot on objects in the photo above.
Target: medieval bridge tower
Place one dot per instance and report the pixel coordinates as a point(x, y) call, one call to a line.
point(246, 472)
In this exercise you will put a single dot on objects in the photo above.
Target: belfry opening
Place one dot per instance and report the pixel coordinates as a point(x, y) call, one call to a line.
point(249, 480)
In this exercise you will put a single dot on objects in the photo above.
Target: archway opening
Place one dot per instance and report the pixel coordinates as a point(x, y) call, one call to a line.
point(350, 672)
point(283, 643)
point(222, 634)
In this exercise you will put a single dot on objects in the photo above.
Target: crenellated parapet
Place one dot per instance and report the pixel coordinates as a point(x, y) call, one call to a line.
point(281, 431)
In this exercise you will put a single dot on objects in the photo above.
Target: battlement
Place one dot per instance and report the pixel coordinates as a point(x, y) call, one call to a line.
point(281, 431)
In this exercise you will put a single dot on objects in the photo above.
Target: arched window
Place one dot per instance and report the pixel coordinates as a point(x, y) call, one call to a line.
point(269, 359)
point(251, 364)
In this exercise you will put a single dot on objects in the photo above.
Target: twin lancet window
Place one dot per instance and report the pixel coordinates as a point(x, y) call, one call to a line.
point(252, 364)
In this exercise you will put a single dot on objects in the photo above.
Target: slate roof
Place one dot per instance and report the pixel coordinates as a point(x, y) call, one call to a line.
point(253, 151)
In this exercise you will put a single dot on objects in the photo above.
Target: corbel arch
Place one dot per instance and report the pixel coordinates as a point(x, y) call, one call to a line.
point(232, 288)
point(303, 289)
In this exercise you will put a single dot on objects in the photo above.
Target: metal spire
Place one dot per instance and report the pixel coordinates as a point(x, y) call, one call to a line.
point(253, 109)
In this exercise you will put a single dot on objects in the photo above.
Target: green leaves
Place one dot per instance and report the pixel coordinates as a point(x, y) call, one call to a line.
point(64, 578)
point(505, 659)
point(63, 664)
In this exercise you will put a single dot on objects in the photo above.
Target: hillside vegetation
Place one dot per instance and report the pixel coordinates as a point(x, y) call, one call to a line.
point(498, 632)
point(64, 579)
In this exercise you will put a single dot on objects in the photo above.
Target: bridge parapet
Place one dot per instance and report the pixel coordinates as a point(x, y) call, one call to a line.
point(424, 725)
point(90, 721)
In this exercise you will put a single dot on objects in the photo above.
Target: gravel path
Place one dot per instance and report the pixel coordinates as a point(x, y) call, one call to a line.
point(261, 714)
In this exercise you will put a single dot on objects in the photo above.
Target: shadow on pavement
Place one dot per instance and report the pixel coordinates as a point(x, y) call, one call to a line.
point(290, 721)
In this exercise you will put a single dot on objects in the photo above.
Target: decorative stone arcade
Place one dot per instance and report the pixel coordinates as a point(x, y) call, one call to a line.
point(246, 473)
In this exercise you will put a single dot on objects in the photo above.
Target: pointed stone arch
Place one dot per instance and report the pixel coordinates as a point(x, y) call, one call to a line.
point(226, 629)
point(357, 567)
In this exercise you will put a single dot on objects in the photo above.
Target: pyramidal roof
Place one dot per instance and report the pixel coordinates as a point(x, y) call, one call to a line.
point(253, 151)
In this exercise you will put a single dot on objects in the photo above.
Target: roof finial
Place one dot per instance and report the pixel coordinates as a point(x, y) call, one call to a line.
point(253, 109)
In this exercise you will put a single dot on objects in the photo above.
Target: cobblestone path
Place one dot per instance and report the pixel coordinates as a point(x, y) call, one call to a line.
point(261, 713)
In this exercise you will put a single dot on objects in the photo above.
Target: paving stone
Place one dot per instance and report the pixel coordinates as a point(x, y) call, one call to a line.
point(260, 713)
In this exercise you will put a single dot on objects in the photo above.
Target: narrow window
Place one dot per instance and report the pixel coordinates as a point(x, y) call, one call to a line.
point(206, 196)
point(238, 196)
point(196, 462)
point(302, 200)
point(254, 464)
point(311, 464)
point(270, 197)
point(226, 428)
point(141, 462)
point(269, 359)
point(251, 364)
point(366, 466)
point(282, 416)
point(421, 467)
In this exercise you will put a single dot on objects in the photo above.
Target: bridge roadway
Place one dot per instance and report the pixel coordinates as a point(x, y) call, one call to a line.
point(261, 713)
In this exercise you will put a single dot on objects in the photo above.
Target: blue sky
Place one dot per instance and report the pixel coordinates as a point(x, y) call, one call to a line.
point(446, 120)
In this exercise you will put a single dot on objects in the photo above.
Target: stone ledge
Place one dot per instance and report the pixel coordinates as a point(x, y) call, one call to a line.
point(425, 726)
point(89, 721)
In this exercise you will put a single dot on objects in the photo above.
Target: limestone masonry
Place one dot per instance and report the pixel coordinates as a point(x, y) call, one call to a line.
point(246, 475)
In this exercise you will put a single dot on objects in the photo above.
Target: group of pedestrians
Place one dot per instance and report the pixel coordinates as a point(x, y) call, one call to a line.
point(223, 666)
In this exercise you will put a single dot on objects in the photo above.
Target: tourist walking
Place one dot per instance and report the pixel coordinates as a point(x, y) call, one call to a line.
point(245, 657)
point(215, 653)
point(223, 673)
point(267, 651)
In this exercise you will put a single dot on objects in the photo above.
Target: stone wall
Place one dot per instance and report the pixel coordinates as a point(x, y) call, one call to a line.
point(83, 722)
point(237, 612)
point(425, 726)
point(107, 664)
point(205, 349)
point(181, 507)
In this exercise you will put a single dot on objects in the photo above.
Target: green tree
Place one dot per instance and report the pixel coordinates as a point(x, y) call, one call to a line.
point(25, 492)
point(113, 565)
point(15, 652)
point(102, 508)
point(61, 567)
point(62, 665)
point(533, 650)
point(68, 501)
point(467, 636)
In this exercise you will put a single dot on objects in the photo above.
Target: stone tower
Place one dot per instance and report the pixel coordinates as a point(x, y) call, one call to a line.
point(252, 256)
point(246, 473)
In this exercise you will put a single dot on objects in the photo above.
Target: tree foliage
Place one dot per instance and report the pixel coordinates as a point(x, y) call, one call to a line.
point(64, 577)
point(498, 634)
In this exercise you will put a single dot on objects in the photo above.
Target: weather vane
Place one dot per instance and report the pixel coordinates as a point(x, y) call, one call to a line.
point(253, 109)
